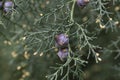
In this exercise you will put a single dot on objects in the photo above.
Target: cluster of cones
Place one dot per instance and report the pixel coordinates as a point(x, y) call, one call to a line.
point(62, 42)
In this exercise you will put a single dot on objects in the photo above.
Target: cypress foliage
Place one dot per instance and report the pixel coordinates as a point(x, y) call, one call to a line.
point(32, 47)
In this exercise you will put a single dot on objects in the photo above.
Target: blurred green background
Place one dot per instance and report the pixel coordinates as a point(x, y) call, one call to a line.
point(20, 57)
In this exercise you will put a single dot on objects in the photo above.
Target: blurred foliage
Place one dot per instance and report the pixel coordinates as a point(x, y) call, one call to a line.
point(27, 45)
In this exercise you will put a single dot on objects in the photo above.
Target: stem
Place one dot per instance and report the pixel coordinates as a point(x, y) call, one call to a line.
point(72, 11)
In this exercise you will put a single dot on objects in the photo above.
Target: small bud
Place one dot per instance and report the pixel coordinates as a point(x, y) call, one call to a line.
point(35, 53)
point(82, 3)
point(41, 54)
point(41, 14)
point(102, 26)
point(117, 8)
point(99, 59)
point(97, 20)
point(110, 19)
point(56, 49)
point(97, 54)
point(26, 55)
point(19, 67)
point(116, 23)
point(14, 54)
point(23, 38)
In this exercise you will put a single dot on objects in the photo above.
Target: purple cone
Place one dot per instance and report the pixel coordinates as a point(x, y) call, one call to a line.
point(8, 5)
point(63, 53)
point(61, 40)
point(82, 2)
